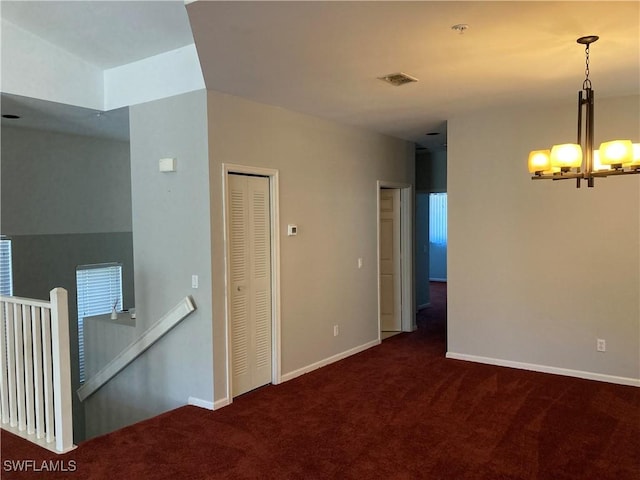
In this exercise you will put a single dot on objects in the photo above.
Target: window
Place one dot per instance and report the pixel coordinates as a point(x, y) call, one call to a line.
point(6, 271)
point(438, 218)
point(99, 290)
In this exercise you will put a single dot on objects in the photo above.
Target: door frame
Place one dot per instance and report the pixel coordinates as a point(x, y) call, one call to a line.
point(407, 314)
point(274, 210)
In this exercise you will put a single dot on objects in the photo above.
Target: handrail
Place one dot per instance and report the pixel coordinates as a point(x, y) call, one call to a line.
point(135, 349)
point(26, 301)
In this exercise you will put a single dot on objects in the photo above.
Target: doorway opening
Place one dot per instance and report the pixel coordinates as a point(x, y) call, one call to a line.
point(431, 235)
point(396, 310)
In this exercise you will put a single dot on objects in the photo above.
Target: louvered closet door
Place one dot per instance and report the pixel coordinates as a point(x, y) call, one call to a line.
point(250, 269)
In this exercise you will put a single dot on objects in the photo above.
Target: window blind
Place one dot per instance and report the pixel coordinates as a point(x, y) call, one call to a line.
point(99, 289)
point(438, 218)
point(6, 272)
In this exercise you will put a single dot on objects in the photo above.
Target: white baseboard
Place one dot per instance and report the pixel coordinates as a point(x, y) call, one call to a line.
point(601, 377)
point(327, 361)
point(197, 402)
point(223, 402)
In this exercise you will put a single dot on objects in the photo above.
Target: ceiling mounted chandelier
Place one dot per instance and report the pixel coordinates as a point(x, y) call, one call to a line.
point(579, 160)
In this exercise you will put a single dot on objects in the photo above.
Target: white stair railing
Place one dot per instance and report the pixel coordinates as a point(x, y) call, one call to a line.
point(137, 348)
point(35, 370)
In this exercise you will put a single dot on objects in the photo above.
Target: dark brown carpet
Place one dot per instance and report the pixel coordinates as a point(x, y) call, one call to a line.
point(397, 411)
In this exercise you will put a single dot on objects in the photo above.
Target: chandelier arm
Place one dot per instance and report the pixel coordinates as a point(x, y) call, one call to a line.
point(589, 127)
point(615, 173)
point(570, 175)
point(579, 140)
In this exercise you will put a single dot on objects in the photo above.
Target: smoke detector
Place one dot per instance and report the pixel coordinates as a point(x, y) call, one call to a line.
point(398, 79)
point(460, 28)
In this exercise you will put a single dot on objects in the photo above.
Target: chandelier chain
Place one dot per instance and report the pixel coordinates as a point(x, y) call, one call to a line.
point(587, 83)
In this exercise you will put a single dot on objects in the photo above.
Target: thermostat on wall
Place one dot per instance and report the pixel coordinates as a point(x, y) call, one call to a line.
point(167, 164)
point(292, 230)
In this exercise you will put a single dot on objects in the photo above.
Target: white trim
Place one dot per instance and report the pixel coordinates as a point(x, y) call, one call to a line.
point(198, 402)
point(223, 402)
point(129, 354)
point(408, 282)
point(407, 255)
point(327, 361)
point(61, 356)
point(274, 201)
point(601, 377)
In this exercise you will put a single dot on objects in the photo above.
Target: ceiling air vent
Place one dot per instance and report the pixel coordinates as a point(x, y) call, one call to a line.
point(397, 79)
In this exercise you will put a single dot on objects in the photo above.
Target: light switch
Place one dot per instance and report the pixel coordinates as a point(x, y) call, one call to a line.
point(194, 281)
point(360, 262)
point(292, 230)
point(168, 164)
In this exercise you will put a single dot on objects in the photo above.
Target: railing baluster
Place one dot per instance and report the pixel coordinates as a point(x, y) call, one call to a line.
point(11, 368)
point(19, 348)
point(47, 367)
point(28, 369)
point(36, 330)
point(4, 381)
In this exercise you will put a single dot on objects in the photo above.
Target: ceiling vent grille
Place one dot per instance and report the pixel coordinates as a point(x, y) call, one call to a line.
point(397, 79)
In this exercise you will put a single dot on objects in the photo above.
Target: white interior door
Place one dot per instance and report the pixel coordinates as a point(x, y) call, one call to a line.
point(250, 282)
point(390, 275)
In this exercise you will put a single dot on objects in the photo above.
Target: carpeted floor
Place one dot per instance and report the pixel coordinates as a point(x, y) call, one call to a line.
point(396, 411)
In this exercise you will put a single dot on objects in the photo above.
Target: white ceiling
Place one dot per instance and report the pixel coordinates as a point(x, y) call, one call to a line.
point(323, 58)
point(105, 33)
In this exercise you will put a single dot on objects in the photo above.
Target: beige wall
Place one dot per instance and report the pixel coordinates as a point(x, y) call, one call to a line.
point(328, 175)
point(539, 270)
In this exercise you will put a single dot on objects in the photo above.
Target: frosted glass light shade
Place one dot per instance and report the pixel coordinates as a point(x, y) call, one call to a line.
point(566, 155)
point(635, 161)
point(597, 163)
point(617, 152)
point(539, 161)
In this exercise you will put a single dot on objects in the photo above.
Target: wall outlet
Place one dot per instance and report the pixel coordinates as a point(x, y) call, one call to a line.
point(194, 281)
point(360, 262)
point(336, 331)
point(601, 345)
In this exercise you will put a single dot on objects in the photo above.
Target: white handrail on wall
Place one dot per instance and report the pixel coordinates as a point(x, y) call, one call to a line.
point(35, 370)
point(129, 354)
